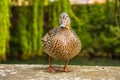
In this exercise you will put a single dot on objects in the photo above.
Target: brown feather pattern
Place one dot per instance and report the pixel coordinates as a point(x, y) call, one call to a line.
point(61, 44)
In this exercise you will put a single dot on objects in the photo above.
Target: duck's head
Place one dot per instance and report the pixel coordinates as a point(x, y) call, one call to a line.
point(64, 20)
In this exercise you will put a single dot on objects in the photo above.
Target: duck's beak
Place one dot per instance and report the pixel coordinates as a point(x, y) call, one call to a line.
point(62, 25)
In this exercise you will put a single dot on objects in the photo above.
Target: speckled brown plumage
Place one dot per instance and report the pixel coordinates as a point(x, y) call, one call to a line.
point(61, 44)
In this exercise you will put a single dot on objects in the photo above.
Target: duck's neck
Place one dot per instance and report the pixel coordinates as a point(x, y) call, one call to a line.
point(68, 27)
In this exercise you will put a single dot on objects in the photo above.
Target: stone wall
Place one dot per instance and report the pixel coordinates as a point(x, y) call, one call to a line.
point(38, 72)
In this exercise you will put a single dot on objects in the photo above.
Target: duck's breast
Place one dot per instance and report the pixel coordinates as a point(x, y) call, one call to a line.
point(65, 45)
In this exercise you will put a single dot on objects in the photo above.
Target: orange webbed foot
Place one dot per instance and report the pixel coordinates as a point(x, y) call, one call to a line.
point(67, 69)
point(51, 69)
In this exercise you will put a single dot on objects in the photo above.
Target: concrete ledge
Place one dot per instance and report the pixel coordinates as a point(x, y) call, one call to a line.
point(38, 72)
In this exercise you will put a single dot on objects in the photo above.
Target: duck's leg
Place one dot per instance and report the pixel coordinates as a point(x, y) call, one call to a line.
point(65, 68)
point(50, 68)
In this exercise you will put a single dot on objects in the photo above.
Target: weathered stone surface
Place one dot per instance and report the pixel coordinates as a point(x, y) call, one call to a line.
point(38, 72)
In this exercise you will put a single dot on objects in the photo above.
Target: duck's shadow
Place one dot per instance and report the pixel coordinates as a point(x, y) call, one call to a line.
point(44, 69)
point(39, 68)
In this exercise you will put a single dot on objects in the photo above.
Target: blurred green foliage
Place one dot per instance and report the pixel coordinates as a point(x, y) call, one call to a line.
point(97, 25)
point(4, 28)
point(99, 32)
point(29, 30)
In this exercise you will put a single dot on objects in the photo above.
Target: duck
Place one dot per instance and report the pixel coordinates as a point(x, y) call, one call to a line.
point(61, 43)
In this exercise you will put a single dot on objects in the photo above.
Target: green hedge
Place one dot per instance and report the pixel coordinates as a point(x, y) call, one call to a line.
point(99, 32)
point(28, 29)
point(97, 26)
point(4, 28)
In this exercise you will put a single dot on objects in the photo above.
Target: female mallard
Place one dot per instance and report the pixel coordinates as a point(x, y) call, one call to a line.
point(61, 43)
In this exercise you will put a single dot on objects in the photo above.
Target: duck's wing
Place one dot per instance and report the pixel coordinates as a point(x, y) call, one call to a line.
point(46, 40)
point(48, 36)
point(79, 41)
point(75, 34)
